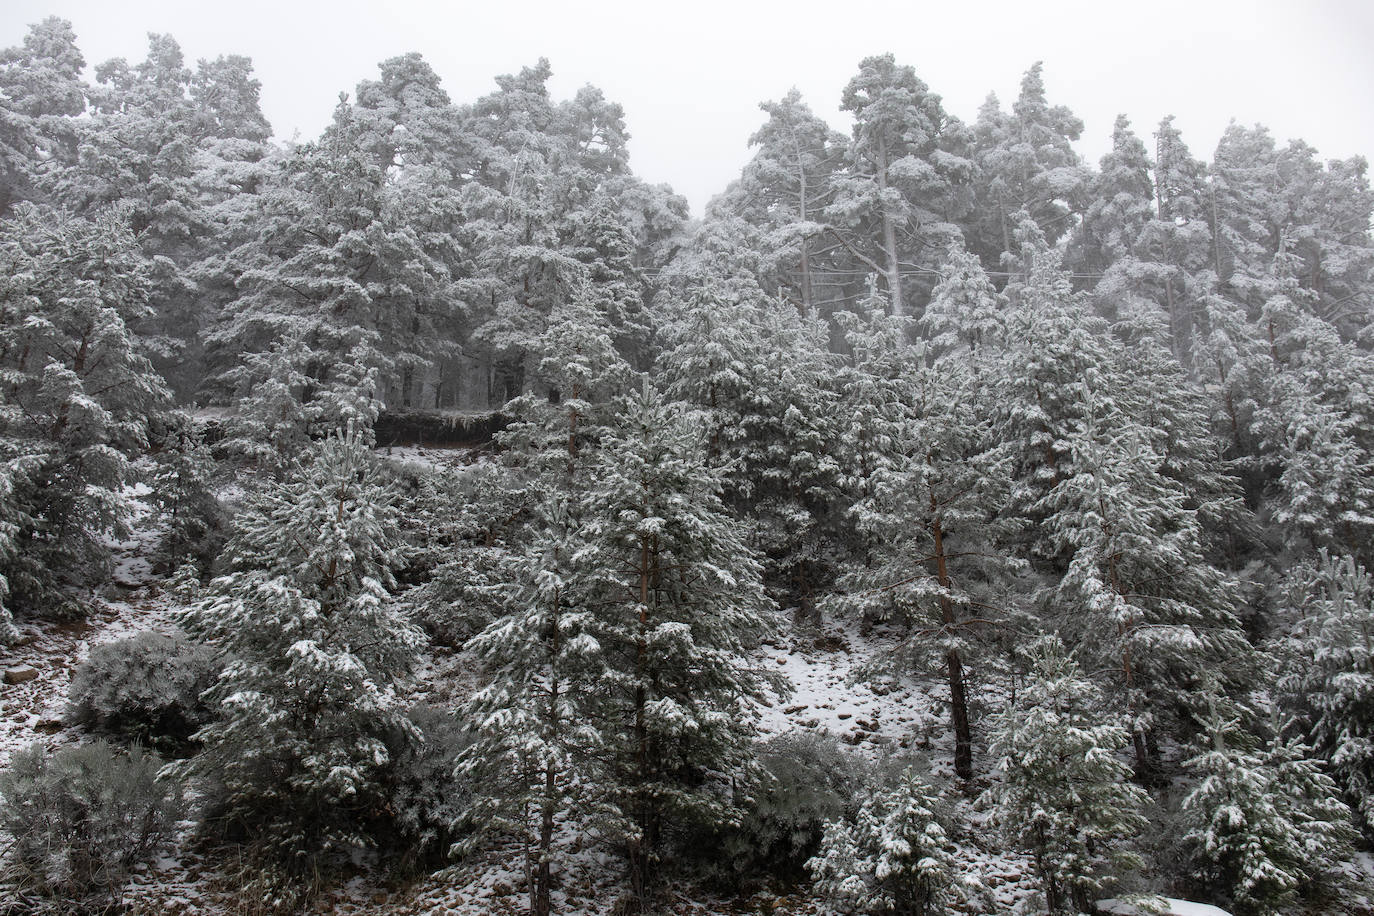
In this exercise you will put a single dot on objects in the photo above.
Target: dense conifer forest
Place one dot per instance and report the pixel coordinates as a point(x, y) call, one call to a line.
point(433, 517)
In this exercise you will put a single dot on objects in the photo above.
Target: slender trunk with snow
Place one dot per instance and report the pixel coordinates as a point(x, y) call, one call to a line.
point(958, 696)
point(894, 273)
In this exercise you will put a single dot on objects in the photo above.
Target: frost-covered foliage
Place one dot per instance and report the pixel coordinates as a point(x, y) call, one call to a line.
point(806, 782)
point(895, 857)
point(81, 818)
point(469, 522)
point(285, 400)
point(1329, 671)
point(1262, 825)
point(313, 649)
point(427, 797)
point(674, 602)
point(146, 688)
point(77, 401)
point(183, 487)
point(1064, 794)
point(764, 378)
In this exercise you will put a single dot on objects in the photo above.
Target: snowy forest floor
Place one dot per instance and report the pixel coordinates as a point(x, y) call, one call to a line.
point(875, 716)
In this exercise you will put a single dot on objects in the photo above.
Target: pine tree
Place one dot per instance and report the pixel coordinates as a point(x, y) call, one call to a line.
point(895, 858)
point(931, 516)
point(1328, 677)
point(909, 171)
point(535, 733)
point(1064, 794)
point(785, 188)
point(77, 395)
point(534, 750)
point(1138, 587)
point(1262, 825)
point(1025, 161)
point(676, 602)
point(314, 651)
point(41, 95)
point(183, 486)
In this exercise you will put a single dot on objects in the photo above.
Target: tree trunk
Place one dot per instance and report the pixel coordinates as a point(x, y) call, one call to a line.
point(958, 697)
point(894, 274)
point(543, 871)
point(638, 848)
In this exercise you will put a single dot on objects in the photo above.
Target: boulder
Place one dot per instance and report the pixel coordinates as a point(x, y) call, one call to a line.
point(20, 674)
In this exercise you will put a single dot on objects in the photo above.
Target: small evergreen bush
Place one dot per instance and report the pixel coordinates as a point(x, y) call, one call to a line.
point(82, 817)
point(427, 798)
point(146, 688)
point(895, 856)
point(807, 782)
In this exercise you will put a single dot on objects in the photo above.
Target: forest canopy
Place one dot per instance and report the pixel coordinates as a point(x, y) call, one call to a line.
point(1082, 454)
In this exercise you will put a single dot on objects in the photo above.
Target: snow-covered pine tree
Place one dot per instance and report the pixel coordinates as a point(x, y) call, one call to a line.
point(582, 372)
point(1261, 825)
point(314, 649)
point(965, 315)
point(786, 476)
point(784, 189)
point(77, 395)
point(533, 754)
point(1312, 421)
point(675, 605)
point(895, 859)
point(1328, 677)
point(1115, 473)
point(764, 376)
point(602, 241)
point(1064, 795)
point(183, 485)
point(533, 728)
point(1138, 591)
point(41, 93)
point(931, 517)
point(1025, 161)
point(712, 346)
point(285, 400)
point(874, 388)
point(908, 170)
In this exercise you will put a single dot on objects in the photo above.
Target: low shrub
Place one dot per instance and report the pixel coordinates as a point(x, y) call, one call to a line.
point(427, 800)
point(145, 689)
point(82, 817)
point(804, 781)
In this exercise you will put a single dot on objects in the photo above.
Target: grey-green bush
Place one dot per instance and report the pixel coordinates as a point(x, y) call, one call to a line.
point(146, 688)
point(804, 781)
point(427, 800)
point(82, 817)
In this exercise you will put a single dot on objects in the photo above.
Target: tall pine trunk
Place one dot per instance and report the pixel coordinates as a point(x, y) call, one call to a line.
point(958, 697)
point(894, 273)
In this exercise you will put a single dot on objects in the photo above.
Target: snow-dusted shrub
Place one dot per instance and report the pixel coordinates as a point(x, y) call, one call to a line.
point(806, 782)
point(427, 797)
point(146, 688)
point(895, 857)
point(82, 817)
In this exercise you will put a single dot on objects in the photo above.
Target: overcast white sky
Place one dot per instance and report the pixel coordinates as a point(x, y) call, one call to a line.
point(691, 74)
